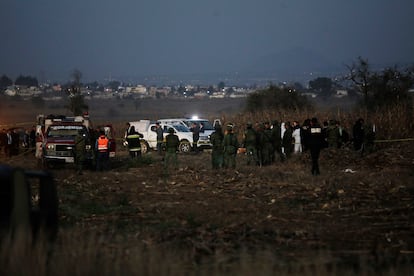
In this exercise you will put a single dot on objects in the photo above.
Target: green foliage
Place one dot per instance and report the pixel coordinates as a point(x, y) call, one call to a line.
point(381, 89)
point(321, 85)
point(5, 82)
point(221, 85)
point(276, 98)
point(389, 87)
point(26, 81)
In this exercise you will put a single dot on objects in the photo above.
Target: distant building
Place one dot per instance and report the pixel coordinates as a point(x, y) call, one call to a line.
point(138, 90)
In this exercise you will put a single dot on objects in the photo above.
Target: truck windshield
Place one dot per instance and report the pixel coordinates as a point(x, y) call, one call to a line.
point(178, 128)
point(207, 125)
point(64, 131)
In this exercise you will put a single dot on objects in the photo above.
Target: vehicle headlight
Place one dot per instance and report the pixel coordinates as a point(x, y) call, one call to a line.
point(50, 146)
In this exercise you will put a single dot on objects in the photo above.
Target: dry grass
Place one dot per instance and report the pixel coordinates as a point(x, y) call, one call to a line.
point(142, 220)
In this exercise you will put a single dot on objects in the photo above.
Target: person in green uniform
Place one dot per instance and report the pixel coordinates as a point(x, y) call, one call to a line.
point(80, 151)
point(216, 139)
point(171, 143)
point(231, 146)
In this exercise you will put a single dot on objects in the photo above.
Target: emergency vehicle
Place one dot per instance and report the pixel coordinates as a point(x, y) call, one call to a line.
point(55, 138)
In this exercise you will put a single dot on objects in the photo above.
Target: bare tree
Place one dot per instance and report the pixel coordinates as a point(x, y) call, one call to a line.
point(360, 75)
point(77, 103)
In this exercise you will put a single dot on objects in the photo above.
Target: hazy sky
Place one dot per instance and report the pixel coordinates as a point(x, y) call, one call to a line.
point(141, 37)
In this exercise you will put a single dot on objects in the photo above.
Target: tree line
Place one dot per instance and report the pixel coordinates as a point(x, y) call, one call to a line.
point(377, 89)
point(5, 81)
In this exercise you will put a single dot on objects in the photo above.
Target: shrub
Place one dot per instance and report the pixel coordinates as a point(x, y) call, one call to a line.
point(277, 98)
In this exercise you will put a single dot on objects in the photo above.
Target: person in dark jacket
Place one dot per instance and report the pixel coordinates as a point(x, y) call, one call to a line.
point(250, 143)
point(195, 129)
point(172, 143)
point(231, 146)
point(358, 134)
point(287, 141)
point(134, 142)
point(102, 146)
point(216, 139)
point(80, 151)
point(315, 143)
point(160, 137)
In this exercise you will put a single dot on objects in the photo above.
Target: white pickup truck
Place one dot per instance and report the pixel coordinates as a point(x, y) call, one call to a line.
point(205, 132)
point(149, 141)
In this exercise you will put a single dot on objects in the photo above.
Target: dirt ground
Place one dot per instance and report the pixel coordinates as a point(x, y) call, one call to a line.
point(359, 207)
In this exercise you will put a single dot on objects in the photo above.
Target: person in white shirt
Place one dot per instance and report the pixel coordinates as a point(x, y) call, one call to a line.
point(297, 137)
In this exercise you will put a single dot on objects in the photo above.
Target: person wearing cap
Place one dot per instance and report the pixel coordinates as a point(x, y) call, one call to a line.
point(266, 145)
point(171, 144)
point(134, 142)
point(250, 143)
point(231, 146)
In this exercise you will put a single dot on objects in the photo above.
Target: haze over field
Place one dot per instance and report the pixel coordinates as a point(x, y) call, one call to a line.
point(130, 39)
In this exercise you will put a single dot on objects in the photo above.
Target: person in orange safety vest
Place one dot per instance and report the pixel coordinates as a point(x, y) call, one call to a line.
point(102, 152)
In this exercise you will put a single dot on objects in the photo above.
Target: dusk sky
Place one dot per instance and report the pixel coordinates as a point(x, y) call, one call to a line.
point(102, 38)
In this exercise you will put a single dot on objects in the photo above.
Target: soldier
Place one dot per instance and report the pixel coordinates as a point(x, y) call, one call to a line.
point(134, 143)
point(259, 128)
point(171, 143)
point(266, 144)
point(332, 134)
point(250, 143)
point(231, 145)
point(216, 139)
point(80, 148)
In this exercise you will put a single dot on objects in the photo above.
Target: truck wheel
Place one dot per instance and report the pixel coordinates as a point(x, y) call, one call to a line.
point(144, 147)
point(45, 164)
point(185, 146)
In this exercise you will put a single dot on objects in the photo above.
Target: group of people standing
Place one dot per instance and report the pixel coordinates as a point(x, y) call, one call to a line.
point(101, 145)
point(265, 143)
point(12, 140)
